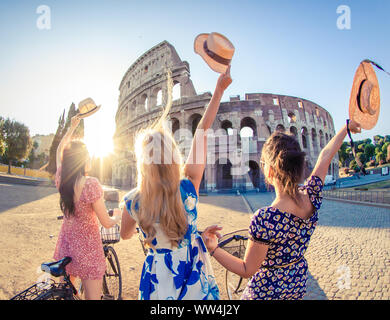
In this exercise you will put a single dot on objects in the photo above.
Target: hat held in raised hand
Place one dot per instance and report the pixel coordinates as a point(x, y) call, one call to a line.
point(87, 107)
point(364, 103)
point(215, 49)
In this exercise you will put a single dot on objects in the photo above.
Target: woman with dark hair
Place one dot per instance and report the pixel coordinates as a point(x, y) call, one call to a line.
point(81, 201)
point(279, 235)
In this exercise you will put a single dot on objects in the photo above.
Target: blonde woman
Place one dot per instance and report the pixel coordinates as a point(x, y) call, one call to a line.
point(164, 206)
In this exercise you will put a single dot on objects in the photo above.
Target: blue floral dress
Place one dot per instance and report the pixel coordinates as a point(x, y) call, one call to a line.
point(283, 273)
point(179, 273)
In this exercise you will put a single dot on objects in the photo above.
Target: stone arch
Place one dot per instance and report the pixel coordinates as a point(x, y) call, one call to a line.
point(223, 173)
point(176, 90)
point(292, 118)
point(250, 127)
point(193, 122)
point(144, 103)
point(321, 134)
point(227, 126)
point(175, 125)
point(314, 140)
point(254, 173)
point(280, 128)
point(305, 138)
point(294, 131)
point(157, 97)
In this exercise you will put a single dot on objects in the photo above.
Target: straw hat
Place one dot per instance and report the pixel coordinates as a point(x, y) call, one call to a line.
point(215, 49)
point(87, 107)
point(364, 103)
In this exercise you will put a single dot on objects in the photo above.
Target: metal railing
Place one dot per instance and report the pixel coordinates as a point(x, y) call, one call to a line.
point(357, 195)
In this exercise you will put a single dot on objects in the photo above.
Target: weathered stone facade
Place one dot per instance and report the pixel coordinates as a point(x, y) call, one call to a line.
point(143, 93)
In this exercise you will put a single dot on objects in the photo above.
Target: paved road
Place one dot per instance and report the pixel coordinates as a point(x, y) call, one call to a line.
point(349, 253)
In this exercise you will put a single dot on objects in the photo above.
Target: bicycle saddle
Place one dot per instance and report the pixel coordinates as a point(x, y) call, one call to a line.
point(57, 268)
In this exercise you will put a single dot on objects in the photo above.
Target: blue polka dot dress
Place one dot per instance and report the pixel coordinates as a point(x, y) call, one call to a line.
point(283, 274)
point(180, 273)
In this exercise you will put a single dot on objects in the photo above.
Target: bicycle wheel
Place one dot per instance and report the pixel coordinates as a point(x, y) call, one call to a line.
point(112, 279)
point(235, 244)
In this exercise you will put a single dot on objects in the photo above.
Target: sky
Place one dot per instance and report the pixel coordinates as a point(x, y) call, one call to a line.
point(283, 47)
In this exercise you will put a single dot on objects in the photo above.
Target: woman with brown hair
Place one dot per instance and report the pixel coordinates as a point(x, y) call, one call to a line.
point(279, 234)
point(81, 201)
point(164, 206)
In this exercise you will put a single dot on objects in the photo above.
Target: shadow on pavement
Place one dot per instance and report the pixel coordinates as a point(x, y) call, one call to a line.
point(13, 195)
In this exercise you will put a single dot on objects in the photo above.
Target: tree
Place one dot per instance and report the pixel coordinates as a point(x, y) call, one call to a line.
point(361, 156)
point(369, 151)
point(343, 154)
point(380, 157)
point(384, 148)
point(17, 140)
point(52, 166)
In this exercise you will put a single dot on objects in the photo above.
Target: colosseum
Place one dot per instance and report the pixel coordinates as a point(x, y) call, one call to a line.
point(244, 124)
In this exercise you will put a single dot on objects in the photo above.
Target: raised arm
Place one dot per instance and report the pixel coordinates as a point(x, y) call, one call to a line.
point(74, 122)
point(196, 160)
point(326, 155)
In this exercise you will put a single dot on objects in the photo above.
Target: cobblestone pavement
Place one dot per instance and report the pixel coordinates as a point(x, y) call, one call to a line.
point(349, 252)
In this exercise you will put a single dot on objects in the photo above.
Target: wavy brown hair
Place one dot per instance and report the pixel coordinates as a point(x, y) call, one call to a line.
point(283, 154)
point(74, 159)
point(159, 171)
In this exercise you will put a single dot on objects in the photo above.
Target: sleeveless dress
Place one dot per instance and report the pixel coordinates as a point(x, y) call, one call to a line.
point(79, 237)
point(283, 274)
point(179, 273)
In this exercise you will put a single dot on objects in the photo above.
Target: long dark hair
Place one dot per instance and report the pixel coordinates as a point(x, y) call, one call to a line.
point(74, 160)
point(283, 153)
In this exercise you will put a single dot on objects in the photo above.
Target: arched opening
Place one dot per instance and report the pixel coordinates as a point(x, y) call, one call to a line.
point(326, 138)
point(292, 117)
point(321, 139)
point(280, 128)
point(228, 127)
point(314, 140)
point(175, 125)
point(254, 173)
point(304, 138)
point(157, 95)
point(176, 92)
point(144, 103)
point(248, 128)
point(224, 177)
point(194, 121)
point(294, 131)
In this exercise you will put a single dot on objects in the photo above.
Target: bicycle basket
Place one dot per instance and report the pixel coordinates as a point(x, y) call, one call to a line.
point(35, 290)
point(111, 235)
point(235, 242)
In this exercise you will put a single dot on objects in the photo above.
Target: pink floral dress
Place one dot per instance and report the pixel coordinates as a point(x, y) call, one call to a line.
point(79, 237)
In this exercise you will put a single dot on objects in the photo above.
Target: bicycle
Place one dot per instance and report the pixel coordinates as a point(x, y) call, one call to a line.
point(65, 290)
point(234, 243)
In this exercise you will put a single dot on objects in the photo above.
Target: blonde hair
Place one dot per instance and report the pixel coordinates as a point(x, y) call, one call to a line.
point(159, 171)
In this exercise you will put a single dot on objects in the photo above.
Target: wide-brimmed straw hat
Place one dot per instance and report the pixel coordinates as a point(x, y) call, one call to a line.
point(87, 107)
point(215, 49)
point(364, 103)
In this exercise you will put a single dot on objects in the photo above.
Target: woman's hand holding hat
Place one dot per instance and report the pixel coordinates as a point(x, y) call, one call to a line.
point(354, 127)
point(224, 80)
